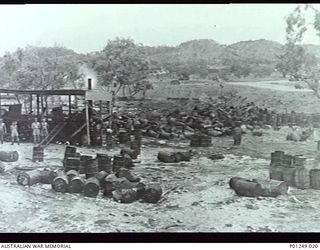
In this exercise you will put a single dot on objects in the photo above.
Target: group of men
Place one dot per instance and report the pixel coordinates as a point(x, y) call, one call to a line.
point(39, 130)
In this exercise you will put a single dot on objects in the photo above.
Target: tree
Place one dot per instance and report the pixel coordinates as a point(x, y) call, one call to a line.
point(40, 68)
point(123, 63)
point(295, 59)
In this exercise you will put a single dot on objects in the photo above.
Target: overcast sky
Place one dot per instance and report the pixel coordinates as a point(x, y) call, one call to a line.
point(86, 28)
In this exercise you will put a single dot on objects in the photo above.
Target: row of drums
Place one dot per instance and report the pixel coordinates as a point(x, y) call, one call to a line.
point(292, 169)
point(90, 166)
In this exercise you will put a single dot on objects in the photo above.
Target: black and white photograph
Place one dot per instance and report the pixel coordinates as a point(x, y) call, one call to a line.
point(159, 118)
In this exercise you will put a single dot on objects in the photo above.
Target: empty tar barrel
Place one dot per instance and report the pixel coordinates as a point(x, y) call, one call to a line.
point(38, 154)
point(124, 136)
point(164, 135)
point(91, 168)
point(101, 176)
point(302, 178)
point(92, 187)
point(104, 163)
point(276, 157)
point(315, 178)
point(276, 172)
point(76, 185)
point(205, 141)
point(248, 188)
point(133, 153)
point(195, 140)
point(71, 163)
point(83, 163)
point(137, 133)
point(9, 156)
point(300, 161)
point(285, 119)
point(288, 176)
point(71, 174)
point(118, 162)
point(70, 151)
point(233, 180)
point(61, 182)
point(287, 160)
point(152, 133)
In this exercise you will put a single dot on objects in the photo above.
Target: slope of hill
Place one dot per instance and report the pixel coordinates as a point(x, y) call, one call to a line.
point(258, 50)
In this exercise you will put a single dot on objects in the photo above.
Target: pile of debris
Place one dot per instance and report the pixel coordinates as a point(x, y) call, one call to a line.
point(212, 119)
point(89, 176)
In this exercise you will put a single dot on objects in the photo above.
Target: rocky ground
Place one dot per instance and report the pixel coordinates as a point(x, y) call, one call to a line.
point(200, 199)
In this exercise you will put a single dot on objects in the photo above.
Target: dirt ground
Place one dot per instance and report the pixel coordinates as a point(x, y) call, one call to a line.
point(200, 199)
point(201, 202)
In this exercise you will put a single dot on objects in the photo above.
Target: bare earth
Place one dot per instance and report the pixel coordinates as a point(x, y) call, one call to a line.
point(202, 201)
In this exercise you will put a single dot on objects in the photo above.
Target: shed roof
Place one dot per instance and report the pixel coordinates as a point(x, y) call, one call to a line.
point(45, 92)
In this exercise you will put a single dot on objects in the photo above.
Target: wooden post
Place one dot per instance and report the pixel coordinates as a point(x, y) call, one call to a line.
point(69, 105)
point(41, 98)
point(88, 123)
point(46, 102)
point(38, 104)
point(101, 128)
point(30, 104)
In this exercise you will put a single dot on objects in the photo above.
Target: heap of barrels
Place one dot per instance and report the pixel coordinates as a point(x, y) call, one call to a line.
point(293, 170)
point(83, 174)
point(216, 119)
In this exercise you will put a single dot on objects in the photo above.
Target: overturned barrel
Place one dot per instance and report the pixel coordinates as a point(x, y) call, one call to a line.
point(60, 183)
point(71, 174)
point(47, 176)
point(152, 193)
point(76, 184)
point(248, 188)
point(29, 178)
point(101, 176)
point(131, 152)
point(92, 187)
point(10, 156)
point(166, 157)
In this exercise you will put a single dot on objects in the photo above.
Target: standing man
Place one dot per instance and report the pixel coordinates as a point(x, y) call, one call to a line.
point(3, 130)
point(36, 130)
point(14, 132)
point(44, 128)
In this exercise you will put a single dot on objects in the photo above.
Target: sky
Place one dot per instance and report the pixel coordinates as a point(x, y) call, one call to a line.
point(86, 28)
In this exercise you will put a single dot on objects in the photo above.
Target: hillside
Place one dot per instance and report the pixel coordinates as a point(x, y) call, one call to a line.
point(261, 50)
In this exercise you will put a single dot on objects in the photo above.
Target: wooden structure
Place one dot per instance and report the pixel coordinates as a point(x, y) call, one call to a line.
point(38, 106)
